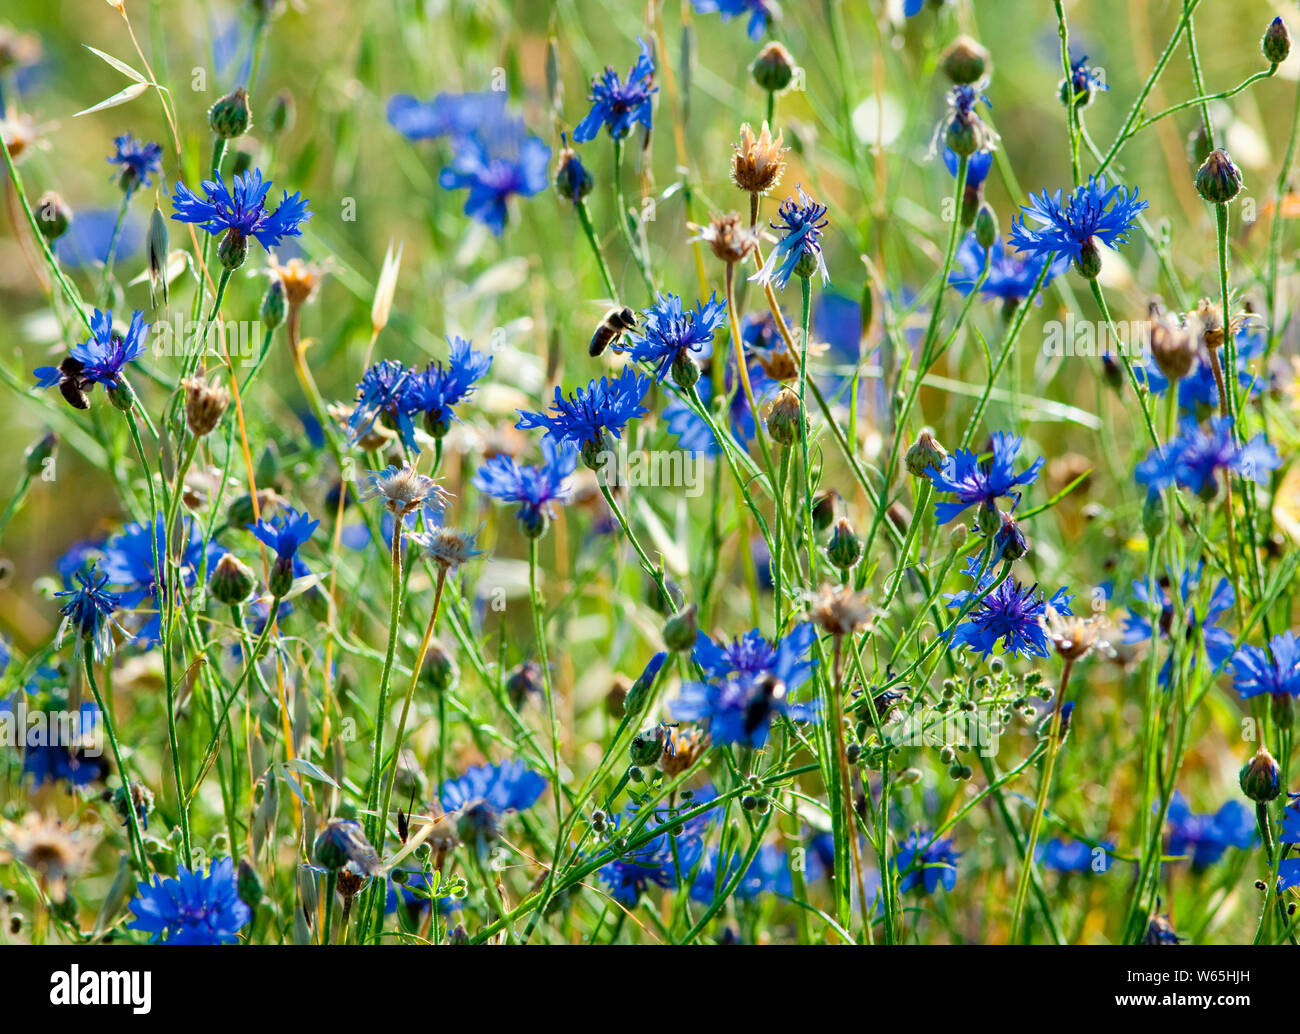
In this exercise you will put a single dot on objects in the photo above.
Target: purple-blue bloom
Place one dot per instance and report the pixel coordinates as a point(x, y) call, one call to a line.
point(102, 359)
point(670, 331)
point(138, 160)
point(1195, 458)
point(1207, 837)
point(89, 613)
point(662, 861)
point(500, 160)
point(802, 221)
point(1011, 278)
point(926, 863)
point(1219, 642)
point(285, 533)
point(1199, 389)
point(693, 432)
point(1275, 670)
point(448, 114)
point(977, 166)
point(192, 907)
point(589, 415)
point(535, 488)
point(1075, 856)
point(488, 792)
point(128, 563)
point(1066, 225)
point(759, 11)
point(241, 209)
point(437, 388)
point(1011, 613)
point(617, 104)
point(981, 484)
point(384, 391)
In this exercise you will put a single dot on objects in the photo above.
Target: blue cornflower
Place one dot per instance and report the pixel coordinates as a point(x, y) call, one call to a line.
point(89, 613)
point(759, 11)
point(748, 682)
point(285, 534)
point(1207, 837)
point(240, 210)
point(535, 488)
point(588, 416)
point(448, 114)
point(1199, 389)
point(128, 564)
point(193, 907)
point(981, 484)
point(1011, 278)
point(693, 432)
point(385, 390)
point(1071, 226)
point(1288, 869)
point(768, 873)
point(663, 861)
point(62, 761)
point(1084, 82)
point(926, 861)
point(484, 794)
point(1012, 613)
point(437, 388)
point(670, 332)
point(1219, 642)
point(501, 159)
point(799, 251)
point(417, 893)
point(139, 161)
point(789, 658)
point(616, 104)
point(1075, 856)
point(101, 360)
point(1195, 458)
point(977, 166)
point(1276, 670)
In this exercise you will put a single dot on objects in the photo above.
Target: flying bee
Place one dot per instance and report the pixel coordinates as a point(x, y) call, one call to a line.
point(758, 711)
point(611, 328)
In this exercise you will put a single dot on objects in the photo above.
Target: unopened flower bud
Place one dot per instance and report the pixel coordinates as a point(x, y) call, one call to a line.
point(275, 306)
point(647, 746)
point(280, 581)
point(1276, 43)
point(987, 230)
point(231, 581)
point(783, 418)
point(681, 630)
point(280, 112)
point(773, 69)
point(1089, 261)
point(640, 692)
point(231, 116)
point(232, 250)
point(989, 519)
point(1218, 180)
point(38, 452)
point(926, 452)
point(965, 61)
point(823, 511)
point(1261, 778)
point(572, 180)
point(1010, 542)
point(122, 395)
point(53, 216)
point(440, 669)
point(845, 548)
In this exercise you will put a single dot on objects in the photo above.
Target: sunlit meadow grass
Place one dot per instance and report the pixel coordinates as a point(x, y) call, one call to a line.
point(649, 472)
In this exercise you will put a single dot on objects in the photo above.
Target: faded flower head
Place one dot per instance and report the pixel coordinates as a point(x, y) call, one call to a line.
point(728, 236)
point(55, 853)
point(838, 610)
point(758, 161)
point(1073, 636)
point(405, 490)
point(449, 548)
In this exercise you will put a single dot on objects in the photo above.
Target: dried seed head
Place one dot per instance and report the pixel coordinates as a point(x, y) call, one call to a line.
point(1173, 346)
point(405, 490)
point(205, 402)
point(839, 610)
point(53, 852)
point(300, 279)
point(1074, 637)
point(683, 750)
point(729, 237)
point(759, 160)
